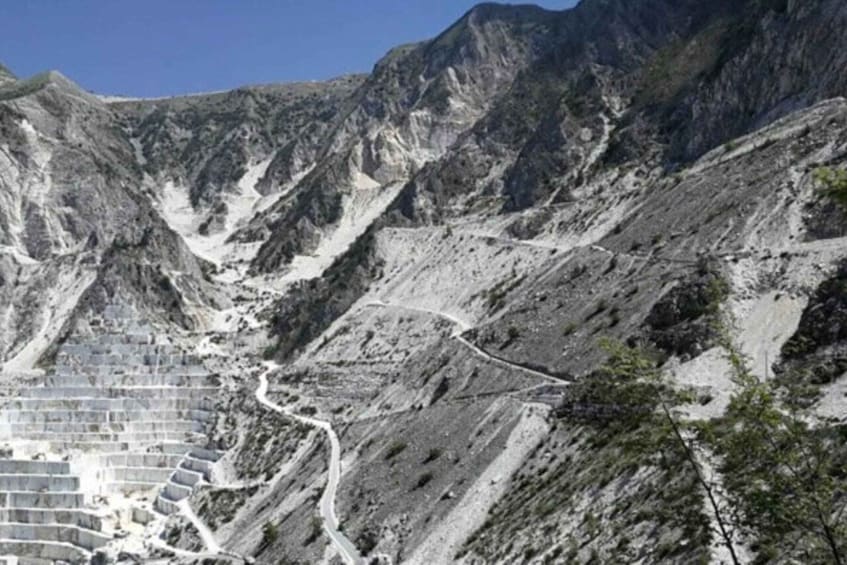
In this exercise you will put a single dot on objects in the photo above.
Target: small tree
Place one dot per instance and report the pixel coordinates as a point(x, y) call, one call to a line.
point(270, 533)
point(782, 475)
point(638, 383)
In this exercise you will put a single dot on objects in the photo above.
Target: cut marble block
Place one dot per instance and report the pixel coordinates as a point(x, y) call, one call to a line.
point(81, 518)
point(74, 535)
point(140, 392)
point(45, 499)
point(148, 460)
point(181, 483)
point(43, 515)
point(38, 483)
point(116, 405)
point(49, 416)
point(11, 466)
point(45, 552)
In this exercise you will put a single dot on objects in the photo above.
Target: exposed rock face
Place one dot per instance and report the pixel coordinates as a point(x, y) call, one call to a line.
point(683, 321)
point(434, 253)
point(417, 102)
point(206, 142)
point(72, 192)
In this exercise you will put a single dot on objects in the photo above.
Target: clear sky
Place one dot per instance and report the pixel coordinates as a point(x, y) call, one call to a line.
point(164, 47)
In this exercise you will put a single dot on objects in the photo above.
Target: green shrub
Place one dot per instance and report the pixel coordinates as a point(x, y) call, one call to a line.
point(395, 449)
point(424, 480)
point(270, 533)
point(833, 184)
point(433, 454)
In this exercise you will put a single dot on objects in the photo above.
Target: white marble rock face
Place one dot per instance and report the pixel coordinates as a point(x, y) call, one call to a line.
point(110, 439)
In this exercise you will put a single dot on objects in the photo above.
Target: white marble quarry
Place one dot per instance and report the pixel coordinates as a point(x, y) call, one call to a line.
point(128, 411)
point(152, 475)
point(149, 460)
point(141, 392)
point(175, 491)
point(42, 513)
point(50, 500)
point(100, 417)
point(44, 551)
point(165, 505)
point(80, 537)
point(125, 427)
point(187, 477)
point(8, 466)
point(194, 468)
point(38, 483)
point(122, 380)
point(111, 405)
point(203, 466)
point(95, 438)
point(74, 447)
point(81, 518)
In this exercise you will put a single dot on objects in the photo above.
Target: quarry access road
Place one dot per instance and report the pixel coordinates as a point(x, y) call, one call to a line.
point(157, 543)
point(462, 326)
point(203, 530)
point(213, 549)
point(345, 547)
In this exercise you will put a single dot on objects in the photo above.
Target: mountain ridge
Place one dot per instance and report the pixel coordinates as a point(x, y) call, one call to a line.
point(6, 74)
point(500, 270)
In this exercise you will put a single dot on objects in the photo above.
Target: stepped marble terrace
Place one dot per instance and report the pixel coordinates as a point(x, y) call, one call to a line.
point(99, 450)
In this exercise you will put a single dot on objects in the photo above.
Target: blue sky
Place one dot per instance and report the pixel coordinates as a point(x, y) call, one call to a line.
point(163, 47)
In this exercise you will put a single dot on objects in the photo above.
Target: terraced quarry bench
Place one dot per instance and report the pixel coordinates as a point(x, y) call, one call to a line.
point(129, 411)
point(43, 514)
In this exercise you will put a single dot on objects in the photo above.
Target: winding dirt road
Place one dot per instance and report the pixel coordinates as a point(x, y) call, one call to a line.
point(462, 326)
point(344, 546)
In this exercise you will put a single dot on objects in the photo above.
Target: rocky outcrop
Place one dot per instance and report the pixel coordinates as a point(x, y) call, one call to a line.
point(684, 321)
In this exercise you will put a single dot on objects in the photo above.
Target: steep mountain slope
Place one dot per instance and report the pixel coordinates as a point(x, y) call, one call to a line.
point(633, 251)
point(416, 103)
point(530, 275)
point(72, 213)
point(576, 122)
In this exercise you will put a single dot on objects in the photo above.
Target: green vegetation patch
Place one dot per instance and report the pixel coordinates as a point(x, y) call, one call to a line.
point(833, 184)
point(783, 471)
point(620, 488)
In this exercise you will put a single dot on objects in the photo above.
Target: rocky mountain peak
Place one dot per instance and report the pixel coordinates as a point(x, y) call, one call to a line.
point(491, 26)
point(6, 75)
point(49, 83)
point(488, 11)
